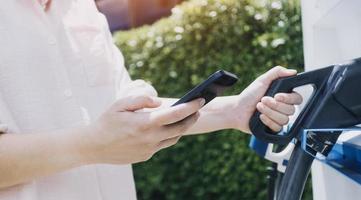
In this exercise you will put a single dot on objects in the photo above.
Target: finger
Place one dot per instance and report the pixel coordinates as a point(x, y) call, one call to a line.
point(278, 106)
point(289, 98)
point(270, 123)
point(275, 73)
point(176, 113)
point(132, 103)
point(168, 142)
point(275, 116)
point(179, 128)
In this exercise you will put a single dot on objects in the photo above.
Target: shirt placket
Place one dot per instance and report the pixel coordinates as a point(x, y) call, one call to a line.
point(62, 79)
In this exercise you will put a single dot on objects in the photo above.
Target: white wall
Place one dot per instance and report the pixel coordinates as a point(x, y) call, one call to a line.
point(331, 31)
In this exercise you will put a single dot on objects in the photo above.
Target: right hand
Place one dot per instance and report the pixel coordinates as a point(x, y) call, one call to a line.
point(123, 136)
point(275, 112)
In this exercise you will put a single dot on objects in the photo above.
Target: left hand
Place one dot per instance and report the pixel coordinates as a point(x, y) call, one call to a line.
point(275, 111)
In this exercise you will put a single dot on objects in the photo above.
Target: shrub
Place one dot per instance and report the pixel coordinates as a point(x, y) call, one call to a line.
point(245, 37)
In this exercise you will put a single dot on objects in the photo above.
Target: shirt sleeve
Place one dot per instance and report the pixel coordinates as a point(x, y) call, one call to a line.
point(126, 86)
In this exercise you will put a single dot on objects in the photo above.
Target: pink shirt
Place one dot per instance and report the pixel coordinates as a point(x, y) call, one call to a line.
point(60, 69)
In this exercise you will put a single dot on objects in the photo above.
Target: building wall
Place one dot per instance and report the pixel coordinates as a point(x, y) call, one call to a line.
point(125, 14)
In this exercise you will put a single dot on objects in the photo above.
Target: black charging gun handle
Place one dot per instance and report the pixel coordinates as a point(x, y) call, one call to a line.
point(286, 85)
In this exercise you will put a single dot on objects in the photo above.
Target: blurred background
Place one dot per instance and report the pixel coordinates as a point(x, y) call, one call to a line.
point(176, 44)
point(126, 14)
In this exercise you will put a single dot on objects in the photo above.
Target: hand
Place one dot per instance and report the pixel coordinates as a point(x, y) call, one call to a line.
point(275, 111)
point(123, 136)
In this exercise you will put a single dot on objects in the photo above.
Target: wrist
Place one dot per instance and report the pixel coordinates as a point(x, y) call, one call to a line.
point(84, 147)
point(238, 113)
point(229, 111)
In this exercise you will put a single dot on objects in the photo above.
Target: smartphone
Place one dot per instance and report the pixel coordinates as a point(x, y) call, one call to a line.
point(212, 87)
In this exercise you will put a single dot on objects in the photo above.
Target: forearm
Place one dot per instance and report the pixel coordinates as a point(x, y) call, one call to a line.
point(212, 116)
point(215, 116)
point(24, 157)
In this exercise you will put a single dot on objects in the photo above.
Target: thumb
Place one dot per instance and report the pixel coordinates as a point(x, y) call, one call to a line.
point(133, 103)
point(276, 73)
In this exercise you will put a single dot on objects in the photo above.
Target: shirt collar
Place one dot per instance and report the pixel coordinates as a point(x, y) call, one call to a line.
point(45, 4)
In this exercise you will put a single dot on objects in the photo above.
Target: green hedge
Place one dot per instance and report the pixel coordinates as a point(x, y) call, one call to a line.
point(245, 37)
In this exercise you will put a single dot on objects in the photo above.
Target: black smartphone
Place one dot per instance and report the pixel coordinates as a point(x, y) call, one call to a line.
point(212, 87)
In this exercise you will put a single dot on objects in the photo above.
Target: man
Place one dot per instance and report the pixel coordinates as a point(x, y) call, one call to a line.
point(70, 113)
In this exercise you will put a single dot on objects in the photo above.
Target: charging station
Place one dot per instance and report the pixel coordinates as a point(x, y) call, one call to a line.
point(332, 34)
point(326, 134)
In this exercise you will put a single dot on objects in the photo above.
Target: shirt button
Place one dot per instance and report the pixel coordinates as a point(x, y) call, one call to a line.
point(52, 41)
point(68, 93)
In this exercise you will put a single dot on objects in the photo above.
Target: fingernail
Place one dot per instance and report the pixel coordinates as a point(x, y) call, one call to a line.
point(264, 99)
point(260, 106)
point(267, 100)
point(273, 102)
point(202, 102)
point(292, 71)
point(261, 117)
